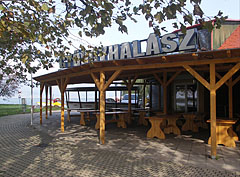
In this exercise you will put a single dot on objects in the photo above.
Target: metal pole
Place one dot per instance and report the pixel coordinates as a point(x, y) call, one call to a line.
point(31, 100)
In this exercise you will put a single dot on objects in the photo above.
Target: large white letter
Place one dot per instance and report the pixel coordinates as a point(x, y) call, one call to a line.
point(126, 51)
point(153, 45)
point(169, 45)
point(187, 42)
point(113, 52)
point(137, 49)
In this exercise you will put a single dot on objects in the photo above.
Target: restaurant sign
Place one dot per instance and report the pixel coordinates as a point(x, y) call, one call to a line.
point(173, 42)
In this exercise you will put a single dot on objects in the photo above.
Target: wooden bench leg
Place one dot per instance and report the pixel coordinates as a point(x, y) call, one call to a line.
point(172, 127)
point(155, 130)
point(223, 136)
point(141, 120)
point(232, 134)
point(82, 121)
point(121, 121)
point(68, 116)
point(97, 125)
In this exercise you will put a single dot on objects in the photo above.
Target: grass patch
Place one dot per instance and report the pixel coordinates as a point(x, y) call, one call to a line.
point(12, 109)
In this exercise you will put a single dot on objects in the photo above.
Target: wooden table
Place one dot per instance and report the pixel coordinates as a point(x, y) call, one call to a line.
point(74, 109)
point(225, 133)
point(120, 121)
point(83, 112)
point(155, 130)
point(171, 124)
point(189, 124)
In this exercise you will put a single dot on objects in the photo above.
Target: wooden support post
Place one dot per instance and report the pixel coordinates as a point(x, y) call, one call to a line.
point(62, 84)
point(102, 107)
point(46, 106)
point(212, 87)
point(129, 100)
point(129, 85)
point(144, 94)
point(50, 92)
point(96, 102)
point(230, 100)
point(159, 97)
point(165, 84)
point(150, 96)
point(62, 111)
point(230, 85)
point(102, 86)
point(41, 91)
point(165, 92)
point(213, 110)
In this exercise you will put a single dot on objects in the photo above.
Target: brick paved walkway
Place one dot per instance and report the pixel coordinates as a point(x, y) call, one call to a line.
point(44, 151)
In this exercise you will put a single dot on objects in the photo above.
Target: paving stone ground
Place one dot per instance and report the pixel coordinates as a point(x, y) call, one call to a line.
point(37, 150)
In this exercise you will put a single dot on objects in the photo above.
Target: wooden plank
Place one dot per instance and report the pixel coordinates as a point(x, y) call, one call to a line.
point(96, 80)
point(65, 83)
point(41, 91)
point(111, 79)
point(102, 108)
point(213, 111)
point(59, 84)
point(150, 66)
point(158, 78)
point(228, 75)
point(139, 61)
point(197, 76)
point(236, 80)
point(220, 77)
point(173, 77)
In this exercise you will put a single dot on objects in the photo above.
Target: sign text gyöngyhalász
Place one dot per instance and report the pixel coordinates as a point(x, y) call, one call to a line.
point(168, 43)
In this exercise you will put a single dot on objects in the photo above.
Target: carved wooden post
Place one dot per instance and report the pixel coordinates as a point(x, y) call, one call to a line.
point(213, 110)
point(46, 106)
point(102, 107)
point(62, 84)
point(41, 91)
point(165, 92)
point(50, 92)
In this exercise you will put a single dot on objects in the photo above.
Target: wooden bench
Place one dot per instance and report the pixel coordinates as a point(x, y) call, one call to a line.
point(225, 133)
point(155, 130)
point(121, 122)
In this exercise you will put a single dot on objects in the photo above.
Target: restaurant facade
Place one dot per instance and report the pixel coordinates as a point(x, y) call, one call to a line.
point(196, 72)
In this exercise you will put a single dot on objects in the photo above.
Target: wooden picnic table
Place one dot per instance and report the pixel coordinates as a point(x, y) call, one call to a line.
point(74, 109)
point(225, 133)
point(189, 124)
point(120, 121)
point(155, 130)
point(86, 111)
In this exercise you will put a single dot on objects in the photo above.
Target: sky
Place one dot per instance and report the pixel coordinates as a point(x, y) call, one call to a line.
point(138, 31)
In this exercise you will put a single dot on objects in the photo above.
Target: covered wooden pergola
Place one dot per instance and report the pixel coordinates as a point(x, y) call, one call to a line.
point(103, 73)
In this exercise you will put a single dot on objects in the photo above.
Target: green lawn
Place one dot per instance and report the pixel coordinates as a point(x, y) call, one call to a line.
point(11, 109)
